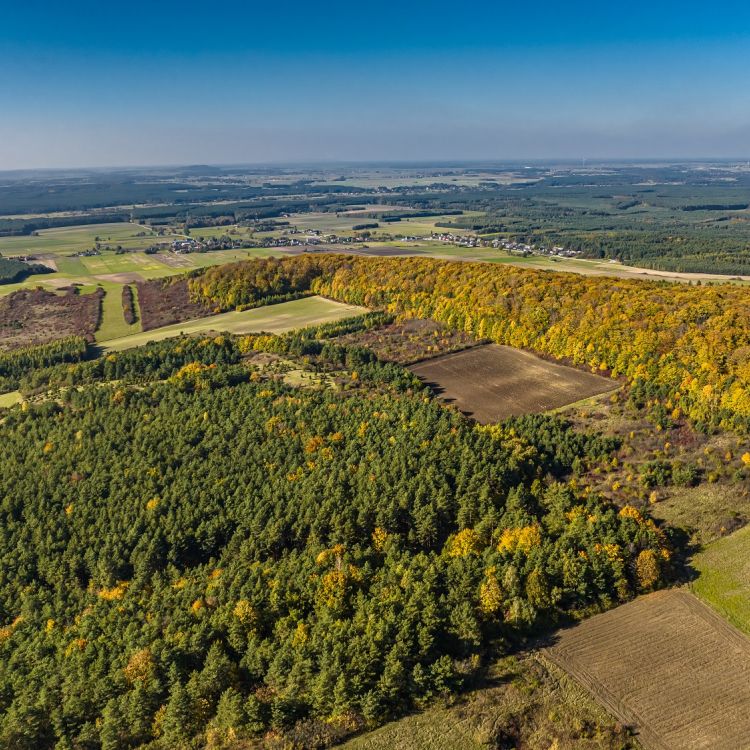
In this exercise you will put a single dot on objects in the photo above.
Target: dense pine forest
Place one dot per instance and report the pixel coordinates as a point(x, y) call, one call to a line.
point(196, 552)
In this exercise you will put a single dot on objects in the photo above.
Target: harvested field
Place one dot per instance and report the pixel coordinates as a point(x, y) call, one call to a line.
point(493, 382)
point(29, 317)
point(410, 341)
point(377, 250)
point(667, 665)
point(167, 301)
point(389, 252)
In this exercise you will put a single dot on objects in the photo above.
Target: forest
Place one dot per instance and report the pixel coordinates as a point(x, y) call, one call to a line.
point(684, 349)
point(12, 270)
point(194, 552)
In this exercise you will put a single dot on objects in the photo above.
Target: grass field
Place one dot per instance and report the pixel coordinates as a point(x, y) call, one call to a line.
point(343, 223)
point(63, 240)
point(113, 323)
point(279, 318)
point(668, 665)
point(724, 577)
point(492, 382)
point(705, 512)
point(10, 399)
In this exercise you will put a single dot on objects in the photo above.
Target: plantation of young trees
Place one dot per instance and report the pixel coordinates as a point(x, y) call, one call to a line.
point(193, 552)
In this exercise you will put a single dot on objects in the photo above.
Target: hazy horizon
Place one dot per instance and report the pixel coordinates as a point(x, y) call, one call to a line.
point(88, 86)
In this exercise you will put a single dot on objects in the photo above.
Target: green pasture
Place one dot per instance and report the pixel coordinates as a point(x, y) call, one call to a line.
point(113, 323)
point(343, 223)
point(231, 230)
point(285, 316)
point(10, 399)
point(724, 577)
point(62, 240)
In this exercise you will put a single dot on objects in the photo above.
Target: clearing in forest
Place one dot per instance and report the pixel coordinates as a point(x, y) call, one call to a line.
point(667, 665)
point(34, 316)
point(410, 341)
point(493, 382)
point(286, 316)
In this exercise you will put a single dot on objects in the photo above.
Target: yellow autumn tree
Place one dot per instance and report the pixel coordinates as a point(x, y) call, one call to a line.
point(521, 538)
point(647, 569)
point(490, 593)
point(466, 542)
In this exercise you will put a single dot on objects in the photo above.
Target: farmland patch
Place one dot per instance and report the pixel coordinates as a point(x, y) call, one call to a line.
point(167, 301)
point(668, 665)
point(493, 382)
point(285, 316)
point(724, 580)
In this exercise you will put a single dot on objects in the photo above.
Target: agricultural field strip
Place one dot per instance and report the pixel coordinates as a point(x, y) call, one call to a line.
point(669, 665)
point(285, 316)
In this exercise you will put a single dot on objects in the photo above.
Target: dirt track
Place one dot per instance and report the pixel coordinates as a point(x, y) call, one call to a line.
point(667, 665)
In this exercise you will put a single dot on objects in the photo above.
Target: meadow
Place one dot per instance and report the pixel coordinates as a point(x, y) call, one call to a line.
point(73, 239)
point(724, 577)
point(285, 316)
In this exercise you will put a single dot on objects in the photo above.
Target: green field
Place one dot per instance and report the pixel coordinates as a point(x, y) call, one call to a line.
point(272, 319)
point(343, 223)
point(724, 577)
point(63, 240)
point(113, 323)
point(10, 399)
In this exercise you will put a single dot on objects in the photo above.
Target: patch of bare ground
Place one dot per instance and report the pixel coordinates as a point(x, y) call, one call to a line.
point(174, 261)
point(410, 341)
point(166, 301)
point(668, 666)
point(492, 382)
point(35, 316)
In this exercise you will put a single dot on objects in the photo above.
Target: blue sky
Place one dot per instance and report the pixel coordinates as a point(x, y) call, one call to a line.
point(96, 84)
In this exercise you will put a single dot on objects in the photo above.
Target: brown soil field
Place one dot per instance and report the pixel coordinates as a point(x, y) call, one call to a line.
point(668, 666)
point(30, 317)
point(410, 341)
point(166, 301)
point(493, 382)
